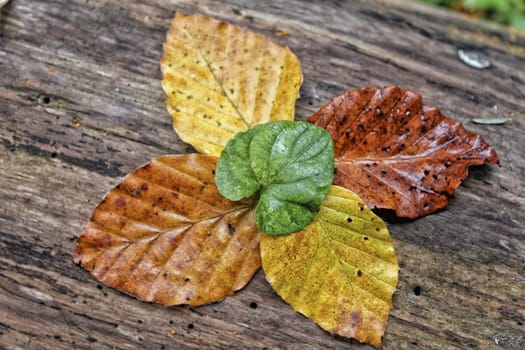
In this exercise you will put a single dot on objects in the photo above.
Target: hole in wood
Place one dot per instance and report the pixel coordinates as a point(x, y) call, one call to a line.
point(417, 290)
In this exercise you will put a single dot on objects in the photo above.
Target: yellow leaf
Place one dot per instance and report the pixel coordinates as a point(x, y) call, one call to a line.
point(340, 271)
point(165, 234)
point(221, 79)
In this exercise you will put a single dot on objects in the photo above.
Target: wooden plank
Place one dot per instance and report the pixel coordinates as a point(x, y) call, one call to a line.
point(81, 105)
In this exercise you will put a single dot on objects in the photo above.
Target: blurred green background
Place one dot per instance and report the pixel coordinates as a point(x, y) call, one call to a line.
point(506, 12)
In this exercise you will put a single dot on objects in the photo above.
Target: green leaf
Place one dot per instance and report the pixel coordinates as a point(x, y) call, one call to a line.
point(290, 164)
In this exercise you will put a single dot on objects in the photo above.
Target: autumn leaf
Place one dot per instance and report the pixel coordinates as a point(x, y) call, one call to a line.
point(397, 153)
point(340, 271)
point(165, 234)
point(221, 79)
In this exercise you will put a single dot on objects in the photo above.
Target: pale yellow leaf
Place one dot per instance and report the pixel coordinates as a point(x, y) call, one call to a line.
point(340, 271)
point(221, 79)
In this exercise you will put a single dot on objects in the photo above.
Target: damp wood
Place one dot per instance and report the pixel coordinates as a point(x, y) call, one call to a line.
point(81, 106)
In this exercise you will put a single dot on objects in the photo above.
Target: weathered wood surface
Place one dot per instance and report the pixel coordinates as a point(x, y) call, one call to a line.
point(81, 105)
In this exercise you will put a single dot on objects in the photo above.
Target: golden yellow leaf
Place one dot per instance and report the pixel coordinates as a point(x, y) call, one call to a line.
point(221, 79)
point(340, 271)
point(165, 234)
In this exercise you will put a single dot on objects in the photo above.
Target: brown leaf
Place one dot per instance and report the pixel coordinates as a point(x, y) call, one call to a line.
point(165, 234)
point(397, 153)
point(221, 79)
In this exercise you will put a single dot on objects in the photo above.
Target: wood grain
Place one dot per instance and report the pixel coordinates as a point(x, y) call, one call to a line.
point(81, 105)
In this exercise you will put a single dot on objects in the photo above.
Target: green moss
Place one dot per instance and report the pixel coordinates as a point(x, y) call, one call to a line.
point(505, 12)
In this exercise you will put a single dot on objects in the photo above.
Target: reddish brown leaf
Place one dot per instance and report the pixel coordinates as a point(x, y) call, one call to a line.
point(165, 234)
point(397, 153)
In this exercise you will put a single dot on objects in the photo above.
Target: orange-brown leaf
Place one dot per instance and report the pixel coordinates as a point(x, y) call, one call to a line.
point(397, 153)
point(165, 234)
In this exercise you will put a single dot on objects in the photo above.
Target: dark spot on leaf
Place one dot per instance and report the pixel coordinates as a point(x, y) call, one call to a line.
point(365, 238)
point(99, 286)
point(383, 172)
point(359, 273)
point(120, 202)
point(426, 172)
point(348, 219)
point(186, 279)
point(253, 305)
point(140, 321)
point(354, 319)
point(231, 229)
point(191, 326)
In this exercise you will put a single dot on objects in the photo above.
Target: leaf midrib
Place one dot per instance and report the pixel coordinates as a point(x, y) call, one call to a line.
point(197, 48)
